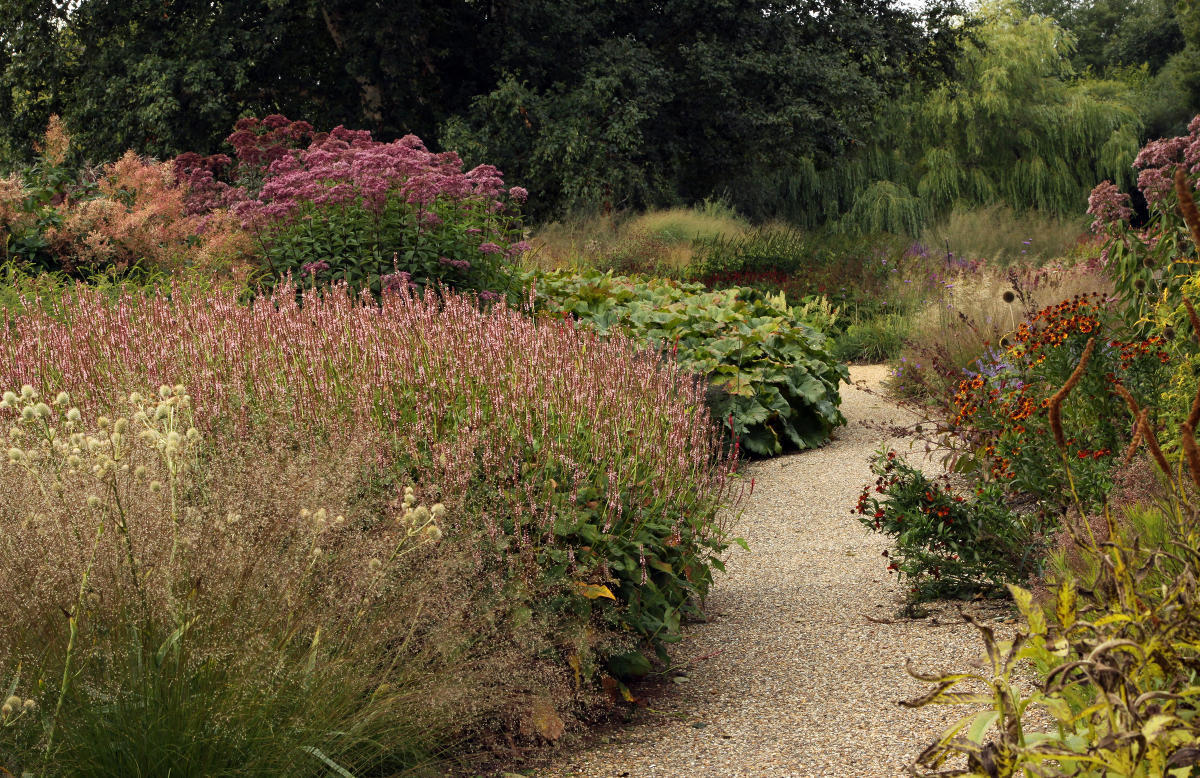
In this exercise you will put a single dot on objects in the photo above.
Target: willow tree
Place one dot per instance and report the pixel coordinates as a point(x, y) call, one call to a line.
point(1017, 126)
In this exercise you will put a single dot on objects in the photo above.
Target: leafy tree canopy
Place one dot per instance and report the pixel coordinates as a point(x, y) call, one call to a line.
point(585, 102)
point(1152, 45)
point(1016, 127)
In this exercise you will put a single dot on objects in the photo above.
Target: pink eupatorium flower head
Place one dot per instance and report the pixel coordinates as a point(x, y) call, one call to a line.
point(395, 282)
point(1108, 205)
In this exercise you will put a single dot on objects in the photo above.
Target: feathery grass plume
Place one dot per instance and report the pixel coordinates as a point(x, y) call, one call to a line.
point(1056, 400)
point(1187, 205)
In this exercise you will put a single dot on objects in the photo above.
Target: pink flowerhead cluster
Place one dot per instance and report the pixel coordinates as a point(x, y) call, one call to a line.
point(457, 264)
point(1159, 158)
point(490, 248)
point(1108, 205)
point(395, 282)
point(347, 166)
point(260, 142)
point(299, 166)
point(465, 393)
point(519, 248)
point(205, 191)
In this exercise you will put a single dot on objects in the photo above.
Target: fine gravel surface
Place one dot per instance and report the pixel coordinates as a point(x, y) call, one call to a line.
point(799, 669)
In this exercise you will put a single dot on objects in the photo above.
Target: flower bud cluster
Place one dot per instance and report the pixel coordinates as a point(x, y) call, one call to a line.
point(52, 443)
point(14, 707)
point(420, 521)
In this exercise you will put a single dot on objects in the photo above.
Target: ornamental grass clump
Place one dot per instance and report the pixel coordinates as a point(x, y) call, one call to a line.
point(340, 206)
point(210, 606)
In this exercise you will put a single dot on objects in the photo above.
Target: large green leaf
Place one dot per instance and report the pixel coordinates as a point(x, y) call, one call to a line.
point(774, 374)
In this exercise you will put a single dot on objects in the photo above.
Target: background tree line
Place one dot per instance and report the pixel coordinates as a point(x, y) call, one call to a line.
point(820, 111)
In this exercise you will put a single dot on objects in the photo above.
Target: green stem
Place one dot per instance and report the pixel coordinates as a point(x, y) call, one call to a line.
point(73, 628)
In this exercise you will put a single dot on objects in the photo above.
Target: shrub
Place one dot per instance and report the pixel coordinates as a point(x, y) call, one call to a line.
point(772, 379)
point(946, 544)
point(128, 215)
point(1003, 410)
point(371, 214)
point(1154, 267)
point(1152, 262)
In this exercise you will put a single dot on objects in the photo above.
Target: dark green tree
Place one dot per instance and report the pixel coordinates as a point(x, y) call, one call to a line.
point(165, 76)
point(585, 102)
point(622, 104)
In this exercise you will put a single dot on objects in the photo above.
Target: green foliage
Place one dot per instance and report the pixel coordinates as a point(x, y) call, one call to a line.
point(876, 339)
point(946, 544)
point(1114, 34)
point(167, 78)
point(1017, 126)
point(614, 119)
point(587, 104)
point(1117, 655)
point(367, 248)
point(885, 206)
point(773, 380)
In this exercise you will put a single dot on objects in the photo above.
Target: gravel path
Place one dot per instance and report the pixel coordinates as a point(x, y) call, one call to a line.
point(790, 677)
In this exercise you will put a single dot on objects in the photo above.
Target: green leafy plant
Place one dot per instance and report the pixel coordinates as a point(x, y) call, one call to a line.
point(772, 380)
point(346, 208)
point(946, 544)
point(878, 339)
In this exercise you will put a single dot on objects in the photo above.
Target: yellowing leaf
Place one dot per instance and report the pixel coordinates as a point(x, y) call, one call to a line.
point(1157, 724)
point(1032, 613)
point(576, 666)
point(593, 591)
point(1065, 607)
point(546, 720)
